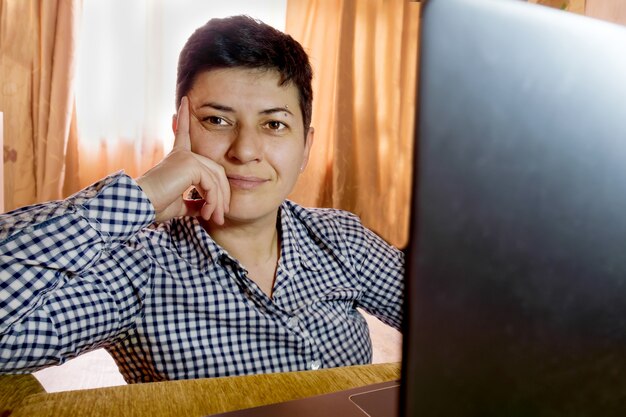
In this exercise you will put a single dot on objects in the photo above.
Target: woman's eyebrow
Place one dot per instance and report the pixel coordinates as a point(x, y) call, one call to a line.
point(218, 106)
point(225, 108)
point(276, 110)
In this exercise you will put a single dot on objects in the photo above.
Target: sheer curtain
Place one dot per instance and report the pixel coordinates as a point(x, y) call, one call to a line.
point(364, 55)
point(127, 75)
point(118, 94)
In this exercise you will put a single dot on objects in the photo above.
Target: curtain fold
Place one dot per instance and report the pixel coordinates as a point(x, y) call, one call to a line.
point(364, 56)
point(37, 49)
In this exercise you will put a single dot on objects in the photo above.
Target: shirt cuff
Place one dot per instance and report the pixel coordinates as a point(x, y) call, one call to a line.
point(116, 206)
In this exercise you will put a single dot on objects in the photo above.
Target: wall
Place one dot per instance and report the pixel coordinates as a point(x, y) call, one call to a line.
point(611, 10)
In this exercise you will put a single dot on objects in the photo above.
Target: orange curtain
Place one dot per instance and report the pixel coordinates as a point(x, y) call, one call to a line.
point(37, 49)
point(135, 157)
point(364, 57)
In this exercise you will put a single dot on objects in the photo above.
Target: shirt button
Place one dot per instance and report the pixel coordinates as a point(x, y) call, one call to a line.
point(292, 322)
point(315, 365)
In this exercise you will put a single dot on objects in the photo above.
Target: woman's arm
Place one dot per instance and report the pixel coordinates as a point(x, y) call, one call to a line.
point(382, 273)
point(71, 277)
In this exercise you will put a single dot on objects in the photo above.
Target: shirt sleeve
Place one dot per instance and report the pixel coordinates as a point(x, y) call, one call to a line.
point(71, 277)
point(382, 273)
point(378, 266)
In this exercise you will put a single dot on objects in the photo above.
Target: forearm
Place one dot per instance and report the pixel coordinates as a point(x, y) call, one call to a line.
point(84, 313)
point(69, 278)
point(29, 345)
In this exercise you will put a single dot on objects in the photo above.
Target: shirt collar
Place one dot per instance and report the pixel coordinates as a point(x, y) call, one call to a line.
point(297, 247)
point(194, 243)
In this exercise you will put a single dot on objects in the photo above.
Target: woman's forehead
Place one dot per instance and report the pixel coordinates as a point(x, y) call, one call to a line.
point(224, 80)
point(244, 89)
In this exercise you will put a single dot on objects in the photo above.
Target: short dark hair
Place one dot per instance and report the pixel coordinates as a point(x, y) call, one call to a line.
point(241, 41)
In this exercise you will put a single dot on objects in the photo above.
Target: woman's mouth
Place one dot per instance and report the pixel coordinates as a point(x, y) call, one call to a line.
point(245, 182)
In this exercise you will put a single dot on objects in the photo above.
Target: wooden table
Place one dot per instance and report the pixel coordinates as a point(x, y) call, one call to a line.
point(23, 396)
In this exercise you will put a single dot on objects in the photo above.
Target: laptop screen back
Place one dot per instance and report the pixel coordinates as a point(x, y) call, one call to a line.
point(517, 265)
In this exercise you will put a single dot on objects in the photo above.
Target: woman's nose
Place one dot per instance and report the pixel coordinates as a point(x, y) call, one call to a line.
point(246, 146)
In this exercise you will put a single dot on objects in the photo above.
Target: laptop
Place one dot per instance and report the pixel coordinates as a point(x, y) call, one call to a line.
point(516, 268)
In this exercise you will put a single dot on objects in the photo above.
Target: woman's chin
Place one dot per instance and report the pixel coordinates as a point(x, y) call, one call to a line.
point(246, 216)
point(244, 209)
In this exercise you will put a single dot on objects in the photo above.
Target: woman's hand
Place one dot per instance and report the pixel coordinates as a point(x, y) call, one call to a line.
point(165, 183)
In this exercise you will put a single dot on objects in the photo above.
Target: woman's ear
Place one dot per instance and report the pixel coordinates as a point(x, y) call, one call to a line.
point(308, 143)
point(174, 123)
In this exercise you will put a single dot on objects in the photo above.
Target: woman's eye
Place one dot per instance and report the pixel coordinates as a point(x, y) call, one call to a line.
point(215, 121)
point(276, 125)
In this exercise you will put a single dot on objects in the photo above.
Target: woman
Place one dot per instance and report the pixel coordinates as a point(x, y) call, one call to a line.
point(237, 281)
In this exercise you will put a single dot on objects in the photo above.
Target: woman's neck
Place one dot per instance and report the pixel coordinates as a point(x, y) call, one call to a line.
point(252, 244)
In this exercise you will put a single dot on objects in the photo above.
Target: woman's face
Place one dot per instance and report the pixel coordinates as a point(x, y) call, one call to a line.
point(243, 120)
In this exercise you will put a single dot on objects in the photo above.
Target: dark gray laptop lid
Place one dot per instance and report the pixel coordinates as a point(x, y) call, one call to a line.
point(517, 267)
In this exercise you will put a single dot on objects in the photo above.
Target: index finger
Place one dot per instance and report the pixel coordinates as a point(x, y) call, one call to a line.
point(181, 137)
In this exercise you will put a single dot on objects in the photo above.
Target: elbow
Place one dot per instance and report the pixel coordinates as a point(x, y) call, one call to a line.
point(22, 354)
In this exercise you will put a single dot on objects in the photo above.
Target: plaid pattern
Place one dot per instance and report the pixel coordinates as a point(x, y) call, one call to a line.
point(169, 303)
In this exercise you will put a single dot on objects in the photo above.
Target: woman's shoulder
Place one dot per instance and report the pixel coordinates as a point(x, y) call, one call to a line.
point(321, 217)
point(335, 227)
point(338, 230)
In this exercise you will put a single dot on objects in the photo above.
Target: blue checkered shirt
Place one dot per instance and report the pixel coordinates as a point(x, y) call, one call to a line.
point(169, 303)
